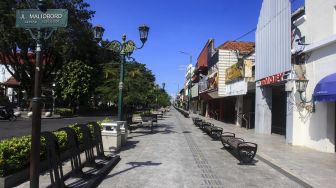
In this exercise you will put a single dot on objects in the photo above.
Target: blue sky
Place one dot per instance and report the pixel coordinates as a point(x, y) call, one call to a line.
point(176, 25)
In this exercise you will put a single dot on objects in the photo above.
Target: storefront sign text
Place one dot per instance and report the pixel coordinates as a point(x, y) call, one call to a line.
point(272, 79)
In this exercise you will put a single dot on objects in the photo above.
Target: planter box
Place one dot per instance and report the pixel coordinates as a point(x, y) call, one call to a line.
point(23, 175)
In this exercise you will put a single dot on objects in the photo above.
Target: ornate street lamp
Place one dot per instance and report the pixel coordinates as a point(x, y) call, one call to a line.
point(301, 86)
point(125, 49)
point(143, 30)
point(98, 32)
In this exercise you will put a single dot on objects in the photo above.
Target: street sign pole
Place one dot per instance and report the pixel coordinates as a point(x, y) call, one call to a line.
point(43, 20)
point(36, 119)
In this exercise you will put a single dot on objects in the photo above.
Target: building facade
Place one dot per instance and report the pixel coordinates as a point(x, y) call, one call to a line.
point(290, 48)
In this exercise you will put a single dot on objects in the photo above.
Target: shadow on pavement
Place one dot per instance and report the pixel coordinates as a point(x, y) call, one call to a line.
point(133, 166)
point(253, 163)
point(130, 144)
point(158, 129)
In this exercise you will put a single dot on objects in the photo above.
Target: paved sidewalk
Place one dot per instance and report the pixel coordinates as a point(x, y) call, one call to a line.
point(316, 168)
point(178, 154)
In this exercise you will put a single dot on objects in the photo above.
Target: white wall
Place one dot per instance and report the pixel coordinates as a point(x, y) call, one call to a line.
point(4, 74)
point(226, 58)
point(263, 113)
point(316, 130)
point(320, 19)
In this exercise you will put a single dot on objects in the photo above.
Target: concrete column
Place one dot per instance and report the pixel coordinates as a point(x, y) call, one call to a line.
point(239, 110)
point(207, 109)
point(123, 131)
point(291, 117)
point(263, 112)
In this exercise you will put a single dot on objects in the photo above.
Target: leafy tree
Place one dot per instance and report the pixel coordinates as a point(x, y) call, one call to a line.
point(74, 82)
point(17, 49)
point(137, 84)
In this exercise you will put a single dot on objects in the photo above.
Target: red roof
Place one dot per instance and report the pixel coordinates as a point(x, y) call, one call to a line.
point(19, 59)
point(202, 60)
point(242, 47)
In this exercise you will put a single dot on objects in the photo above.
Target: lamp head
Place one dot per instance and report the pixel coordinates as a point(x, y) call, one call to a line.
point(98, 32)
point(143, 31)
point(301, 85)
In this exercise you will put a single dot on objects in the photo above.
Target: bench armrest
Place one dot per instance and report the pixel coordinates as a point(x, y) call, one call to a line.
point(220, 128)
point(240, 139)
point(228, 134)
point(248, 143)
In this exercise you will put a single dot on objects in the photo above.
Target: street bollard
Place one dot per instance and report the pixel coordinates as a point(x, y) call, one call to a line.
point(111, 136)
point(123, 131)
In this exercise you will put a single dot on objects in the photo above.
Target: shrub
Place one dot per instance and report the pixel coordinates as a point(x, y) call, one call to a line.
point(15, 152)
point(65, 112)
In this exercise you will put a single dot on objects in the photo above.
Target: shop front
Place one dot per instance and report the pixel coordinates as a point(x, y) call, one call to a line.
point(272, 97)
point(240, 86)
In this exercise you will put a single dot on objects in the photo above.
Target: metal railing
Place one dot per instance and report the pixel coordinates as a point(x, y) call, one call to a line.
point(247, 118)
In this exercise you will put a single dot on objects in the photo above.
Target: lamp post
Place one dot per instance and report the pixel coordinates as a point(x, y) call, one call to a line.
point(53, 97)
point(125, 49)
point(189, 72)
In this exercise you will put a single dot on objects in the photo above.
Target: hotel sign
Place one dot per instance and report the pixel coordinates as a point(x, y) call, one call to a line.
point(34, 18)
point(272, 79)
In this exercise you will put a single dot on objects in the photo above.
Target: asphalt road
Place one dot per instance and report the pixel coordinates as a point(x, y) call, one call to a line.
point(22, 126)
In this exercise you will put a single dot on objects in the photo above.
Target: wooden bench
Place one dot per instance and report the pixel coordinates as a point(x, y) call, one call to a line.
point(196, 120)
point(245, 151)
point(204, 124)
point(213, 130)
point(141, 120)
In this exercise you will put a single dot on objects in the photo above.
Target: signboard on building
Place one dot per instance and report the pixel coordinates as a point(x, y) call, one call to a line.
point(277, 78)
point(203, 83)
point(194, 90)
point(239, 70)
point(236, 88)
point(213, 81)
point(272, 79)
point(234, 72)
point(34, 18)
point(248, 66)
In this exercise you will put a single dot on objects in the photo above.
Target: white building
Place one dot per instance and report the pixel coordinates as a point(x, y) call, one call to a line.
point(282, 59)
point(5, 76)
point(318, 28)
point(188, 82)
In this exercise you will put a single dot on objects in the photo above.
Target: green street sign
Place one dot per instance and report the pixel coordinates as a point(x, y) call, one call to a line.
point(34, 18)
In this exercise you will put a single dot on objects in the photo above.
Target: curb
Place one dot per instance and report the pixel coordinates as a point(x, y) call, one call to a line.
point(298, 179)
point(26, 117)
